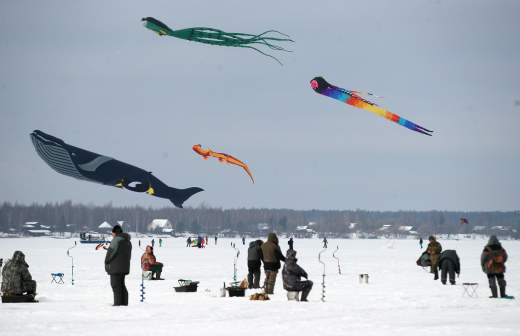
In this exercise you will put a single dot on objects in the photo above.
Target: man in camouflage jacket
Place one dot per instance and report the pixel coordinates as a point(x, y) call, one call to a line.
point(16, 278)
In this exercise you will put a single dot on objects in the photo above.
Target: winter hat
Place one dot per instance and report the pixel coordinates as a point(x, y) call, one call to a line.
point(117, 229)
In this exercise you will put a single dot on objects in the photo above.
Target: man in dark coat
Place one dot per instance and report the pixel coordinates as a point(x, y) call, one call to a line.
point(254, 257)
point(493, 261)
point(449, 264)
point(271, 257)
point(292, 274)
point(117, 264)
point(17, 282)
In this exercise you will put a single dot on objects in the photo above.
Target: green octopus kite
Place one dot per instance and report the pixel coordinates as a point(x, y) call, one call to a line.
point(221, 38)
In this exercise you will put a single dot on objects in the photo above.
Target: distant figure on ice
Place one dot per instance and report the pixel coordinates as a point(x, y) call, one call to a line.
point(449, 264)
point(254, 257)
point(206, 239)
point(420, 242)
point(153, 242)
point(160, 242)
point(493, 261)
point(216, 239)
point(325, 242)
point(188, 242)
point(292, 274)
point(17, 282)
point(290, 242)
point(434, 250)
point(272, 256)
point(117, 264)
point(149, 263)
point(139, 242)
point(243, 240)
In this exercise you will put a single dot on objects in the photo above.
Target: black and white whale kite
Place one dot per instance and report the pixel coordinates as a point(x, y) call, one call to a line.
point(84, 165)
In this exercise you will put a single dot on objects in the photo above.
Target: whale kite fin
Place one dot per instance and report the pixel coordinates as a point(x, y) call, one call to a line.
point(179, 196)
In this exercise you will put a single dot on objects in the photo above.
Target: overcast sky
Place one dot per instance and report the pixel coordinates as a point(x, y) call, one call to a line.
point(90, 73)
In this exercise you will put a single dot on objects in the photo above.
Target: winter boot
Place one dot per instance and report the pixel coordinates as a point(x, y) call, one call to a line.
point(502, 286)
point(158, 276)
point(493, 287)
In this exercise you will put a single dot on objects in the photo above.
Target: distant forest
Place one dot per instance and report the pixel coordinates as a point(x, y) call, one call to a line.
point(67, 216)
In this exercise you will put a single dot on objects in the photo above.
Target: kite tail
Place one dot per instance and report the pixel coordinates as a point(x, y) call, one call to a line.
point(179, 196)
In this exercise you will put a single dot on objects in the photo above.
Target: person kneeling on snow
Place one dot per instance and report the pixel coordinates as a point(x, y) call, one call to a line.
point(17, 283)
point(449, 264)
point(149, 263)
point(292, 274)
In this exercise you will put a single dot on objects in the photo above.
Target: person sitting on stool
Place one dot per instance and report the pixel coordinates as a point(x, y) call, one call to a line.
point(292, 274)
point(149, 263)
point(17, 282)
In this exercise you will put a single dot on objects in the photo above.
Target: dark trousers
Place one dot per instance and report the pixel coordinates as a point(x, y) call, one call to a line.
point(447, 268)
point(306, 289)
point(493, 278)
point(117, 281)
point(253, 277)
point(156, 270)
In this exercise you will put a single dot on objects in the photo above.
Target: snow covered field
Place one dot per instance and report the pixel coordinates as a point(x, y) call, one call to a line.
point(400, 299)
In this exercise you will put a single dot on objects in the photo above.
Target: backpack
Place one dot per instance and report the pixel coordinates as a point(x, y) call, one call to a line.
point(495, 261)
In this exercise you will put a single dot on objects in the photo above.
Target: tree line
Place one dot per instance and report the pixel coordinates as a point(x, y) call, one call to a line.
point(66, 216)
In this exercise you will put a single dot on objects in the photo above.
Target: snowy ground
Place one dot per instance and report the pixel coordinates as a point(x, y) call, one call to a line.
point(401, 298)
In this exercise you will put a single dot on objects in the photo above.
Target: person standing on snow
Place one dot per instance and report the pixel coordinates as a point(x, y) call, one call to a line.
point(271, 257)
point(449, 264)
point(254, 257)
point(434, 250)
point(117, 264)
point(493, 261)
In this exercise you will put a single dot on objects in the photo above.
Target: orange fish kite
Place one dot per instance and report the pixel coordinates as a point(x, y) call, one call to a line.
point(222, 157)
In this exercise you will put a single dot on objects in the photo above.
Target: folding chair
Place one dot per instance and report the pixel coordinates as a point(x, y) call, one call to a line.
point(57, 278)
point(470, 289)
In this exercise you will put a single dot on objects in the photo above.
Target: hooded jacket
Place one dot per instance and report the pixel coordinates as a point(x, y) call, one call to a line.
point(493, 257)
point(271, 253)
point(292, 273)
point(14, 274)
point(117, 259)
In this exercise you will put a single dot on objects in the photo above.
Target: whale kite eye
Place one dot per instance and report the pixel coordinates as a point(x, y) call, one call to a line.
point(314, 84)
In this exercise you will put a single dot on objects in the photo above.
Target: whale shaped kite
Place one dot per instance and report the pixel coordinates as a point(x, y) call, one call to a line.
point(84, 165)
point(320, 85)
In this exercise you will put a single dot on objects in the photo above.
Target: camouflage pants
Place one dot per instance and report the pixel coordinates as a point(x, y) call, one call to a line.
point(29, 287)
point(270, 280)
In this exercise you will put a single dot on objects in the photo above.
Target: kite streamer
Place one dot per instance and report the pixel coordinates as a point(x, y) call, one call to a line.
point(218, 37)
point(320, 85)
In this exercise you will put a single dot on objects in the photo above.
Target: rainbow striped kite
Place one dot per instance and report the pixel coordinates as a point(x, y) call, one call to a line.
point(320, 85)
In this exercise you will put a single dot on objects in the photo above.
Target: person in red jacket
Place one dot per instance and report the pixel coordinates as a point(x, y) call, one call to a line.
point(149, 263)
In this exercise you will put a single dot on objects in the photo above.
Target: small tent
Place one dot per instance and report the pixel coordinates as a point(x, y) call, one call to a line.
point(105, 226)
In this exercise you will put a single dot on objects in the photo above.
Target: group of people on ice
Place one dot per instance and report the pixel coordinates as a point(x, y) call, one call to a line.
point(18, 285)
point(270, 254)
point(492, 261)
